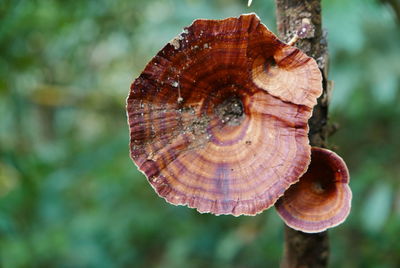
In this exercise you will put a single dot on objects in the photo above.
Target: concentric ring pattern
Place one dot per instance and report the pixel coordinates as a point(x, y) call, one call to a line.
point(218, 118)
point(322, 197)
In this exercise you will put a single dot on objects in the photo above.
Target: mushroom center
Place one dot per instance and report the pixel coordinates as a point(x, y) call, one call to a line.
point(230, 111)
point(322, 180)
point(319, 187)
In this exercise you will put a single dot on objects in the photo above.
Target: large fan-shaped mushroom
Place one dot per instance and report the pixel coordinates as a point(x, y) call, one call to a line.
point(218, 118)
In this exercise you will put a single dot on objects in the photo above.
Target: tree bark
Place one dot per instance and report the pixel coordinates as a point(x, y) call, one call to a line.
point(303, 17)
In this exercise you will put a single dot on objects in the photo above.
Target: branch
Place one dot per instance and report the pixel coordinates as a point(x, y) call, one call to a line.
point(300, 21)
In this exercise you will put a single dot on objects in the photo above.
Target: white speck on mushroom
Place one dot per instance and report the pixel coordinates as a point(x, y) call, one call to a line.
point(175, 84)
point(175, 42)
point(205, 45)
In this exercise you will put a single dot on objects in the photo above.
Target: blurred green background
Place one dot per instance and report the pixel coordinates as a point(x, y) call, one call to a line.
point(70, 195)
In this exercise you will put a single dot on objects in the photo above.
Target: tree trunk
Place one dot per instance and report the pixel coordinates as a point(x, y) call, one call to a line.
point(304, 17)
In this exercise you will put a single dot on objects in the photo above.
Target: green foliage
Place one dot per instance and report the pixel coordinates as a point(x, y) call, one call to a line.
point(71, 197)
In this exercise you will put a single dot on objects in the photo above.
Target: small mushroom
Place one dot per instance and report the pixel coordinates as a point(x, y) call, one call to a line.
point(322, 197)
point(218, 118)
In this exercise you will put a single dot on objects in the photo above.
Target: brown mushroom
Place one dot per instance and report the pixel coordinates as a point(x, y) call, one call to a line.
point(212, 123)
point(322, 197)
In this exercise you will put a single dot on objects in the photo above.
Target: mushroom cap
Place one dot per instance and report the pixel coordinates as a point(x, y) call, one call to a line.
point(218, 118)
point(322, 197)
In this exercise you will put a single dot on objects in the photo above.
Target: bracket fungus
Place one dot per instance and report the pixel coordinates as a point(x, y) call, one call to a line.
point(218, 118)
point(322, 197)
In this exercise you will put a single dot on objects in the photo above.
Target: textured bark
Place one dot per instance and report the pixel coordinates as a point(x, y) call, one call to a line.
point(304, 18)
point(305, 250)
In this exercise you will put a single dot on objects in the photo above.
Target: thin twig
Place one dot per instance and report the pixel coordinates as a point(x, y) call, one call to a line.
point(294, 39)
